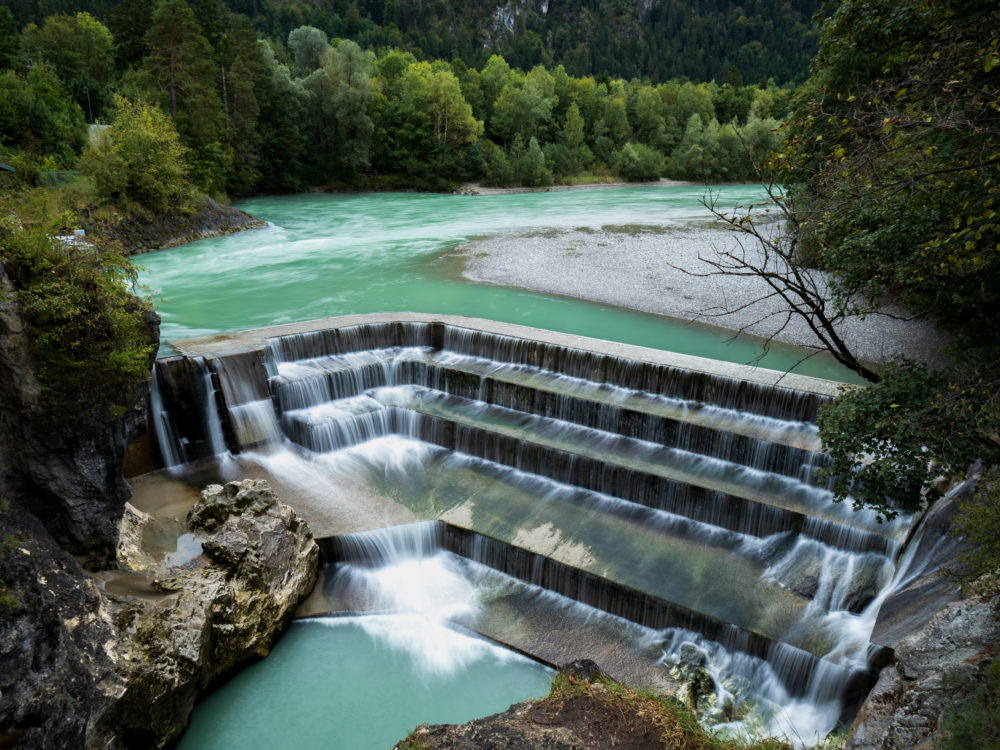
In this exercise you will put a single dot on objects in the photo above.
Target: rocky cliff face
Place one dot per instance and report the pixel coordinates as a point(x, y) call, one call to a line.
point(941, 644)
point(57, 641)
point(69, 477)
point(936, 667)
point(86, 668)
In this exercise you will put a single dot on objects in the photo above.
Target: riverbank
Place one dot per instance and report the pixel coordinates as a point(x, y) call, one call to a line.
point(145, 233)
point(655, 269)
point(584, 709)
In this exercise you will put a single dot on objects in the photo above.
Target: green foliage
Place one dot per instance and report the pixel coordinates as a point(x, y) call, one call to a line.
point(896, 146)
point(139, 159)
point(10, 41)
point(894, 153)
point(8, 599)
point(734, 42)
point(978, 522)
point(180, 75)
point(679, 727)
point(307, 43)
point(976, 722)
point(888, 441)
point(250, 120)
point(637, 162)
point(129, 20)
point(89, 333)
point(37, 118)
point(531, 169)
point(79, 48)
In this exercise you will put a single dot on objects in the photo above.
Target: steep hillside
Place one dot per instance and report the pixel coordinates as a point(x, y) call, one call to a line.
point(725, 40)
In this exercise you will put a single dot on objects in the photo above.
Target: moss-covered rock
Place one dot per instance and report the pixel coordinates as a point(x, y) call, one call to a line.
point(585, 709)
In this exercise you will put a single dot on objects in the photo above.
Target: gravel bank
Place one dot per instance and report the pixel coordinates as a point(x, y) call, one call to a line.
point(633, 268)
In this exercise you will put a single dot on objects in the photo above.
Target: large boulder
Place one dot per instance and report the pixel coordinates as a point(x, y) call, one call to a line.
point(89, 668)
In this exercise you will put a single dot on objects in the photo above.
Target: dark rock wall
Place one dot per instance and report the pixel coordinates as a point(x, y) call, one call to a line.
point(69, 477)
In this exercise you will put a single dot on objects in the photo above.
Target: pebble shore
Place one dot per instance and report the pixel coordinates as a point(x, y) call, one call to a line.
point(639, 268)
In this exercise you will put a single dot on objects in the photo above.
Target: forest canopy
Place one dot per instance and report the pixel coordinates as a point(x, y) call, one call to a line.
point(727, 41)
point(256, 113)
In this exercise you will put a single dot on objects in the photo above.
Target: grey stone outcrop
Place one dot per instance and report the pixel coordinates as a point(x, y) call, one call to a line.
point(86, 668)
point(209, 219)
point(935, 668)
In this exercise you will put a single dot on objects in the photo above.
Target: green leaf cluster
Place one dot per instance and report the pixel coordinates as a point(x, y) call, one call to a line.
point(976, 722)
point(90, 335)
point(893, 157)
point(140, 159)
point(889, 441)
point(895, 149)
point(978, 522)
point(38, 122)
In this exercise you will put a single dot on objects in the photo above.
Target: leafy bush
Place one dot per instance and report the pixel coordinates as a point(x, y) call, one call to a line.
point(89, 333)
point(978, 521)
point(638, 163)
point(912, 426)
point(530, 167)
point(37, 117)
point(140, 158)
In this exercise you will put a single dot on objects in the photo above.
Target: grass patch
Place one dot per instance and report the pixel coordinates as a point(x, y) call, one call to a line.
point(589, 178)
point(8, 599)
point(586, 706)
point(635, 230)
point(677, 725)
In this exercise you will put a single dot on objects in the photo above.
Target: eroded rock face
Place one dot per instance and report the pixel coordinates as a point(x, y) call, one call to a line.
point(948, 654)
point(80, 667)
point(69, 477)
point(57, 642)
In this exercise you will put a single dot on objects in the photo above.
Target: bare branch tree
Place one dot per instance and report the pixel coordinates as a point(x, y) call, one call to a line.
point(768, 253)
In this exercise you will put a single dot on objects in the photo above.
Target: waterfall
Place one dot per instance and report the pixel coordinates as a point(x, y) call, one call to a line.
point(171, 448)
point(678, 503)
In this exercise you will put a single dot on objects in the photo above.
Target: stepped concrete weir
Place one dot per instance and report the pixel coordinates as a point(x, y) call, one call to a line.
point(642, 499)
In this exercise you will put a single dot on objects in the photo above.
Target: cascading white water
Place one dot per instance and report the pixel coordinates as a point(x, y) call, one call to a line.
point(171, 445)
point(614, 470)
point(213, 427)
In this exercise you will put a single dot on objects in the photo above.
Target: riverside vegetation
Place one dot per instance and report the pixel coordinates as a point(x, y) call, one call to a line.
point(893, 194)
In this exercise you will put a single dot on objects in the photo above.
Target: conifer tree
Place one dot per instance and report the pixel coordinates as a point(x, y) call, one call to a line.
point(182, 76)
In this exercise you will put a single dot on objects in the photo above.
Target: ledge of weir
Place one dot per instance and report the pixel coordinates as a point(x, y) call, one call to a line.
point(223, 344)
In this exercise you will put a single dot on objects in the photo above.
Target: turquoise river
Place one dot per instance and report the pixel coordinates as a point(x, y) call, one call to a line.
point(323, 255)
